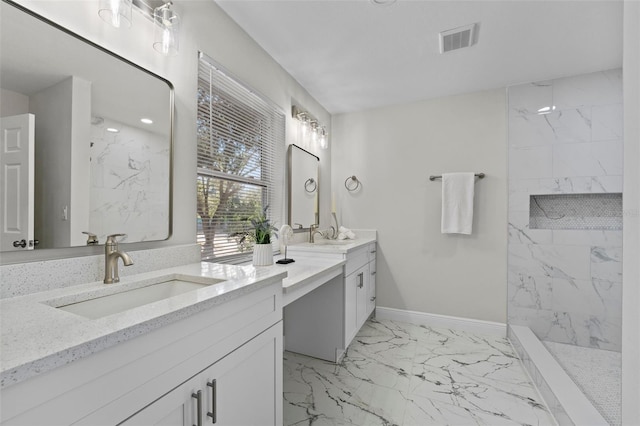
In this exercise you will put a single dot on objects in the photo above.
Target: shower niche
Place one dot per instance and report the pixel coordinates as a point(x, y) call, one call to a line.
point(576, 211)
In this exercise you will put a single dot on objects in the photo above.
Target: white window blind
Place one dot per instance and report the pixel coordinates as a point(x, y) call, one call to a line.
point(240, 162)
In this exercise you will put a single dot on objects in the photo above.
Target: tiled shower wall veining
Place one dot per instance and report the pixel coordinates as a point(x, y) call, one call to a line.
point(565, 284)
point(129, 182)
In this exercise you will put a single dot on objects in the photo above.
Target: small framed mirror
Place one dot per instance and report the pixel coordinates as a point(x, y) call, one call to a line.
point(303, 188)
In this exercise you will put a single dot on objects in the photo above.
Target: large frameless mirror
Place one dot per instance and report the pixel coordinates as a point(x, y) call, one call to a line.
point(86, 140)
point(302, 173)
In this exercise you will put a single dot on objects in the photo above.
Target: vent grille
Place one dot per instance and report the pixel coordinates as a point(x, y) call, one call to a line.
point(458, 38)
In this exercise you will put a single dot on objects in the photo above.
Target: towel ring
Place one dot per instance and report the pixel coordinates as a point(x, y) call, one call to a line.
point(310, 185)
point(352, 183)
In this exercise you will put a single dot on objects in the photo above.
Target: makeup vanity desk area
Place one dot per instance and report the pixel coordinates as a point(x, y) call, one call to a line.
point(328, 294)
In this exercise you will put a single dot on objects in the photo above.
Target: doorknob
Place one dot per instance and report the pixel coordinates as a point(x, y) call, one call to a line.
point(21, 243)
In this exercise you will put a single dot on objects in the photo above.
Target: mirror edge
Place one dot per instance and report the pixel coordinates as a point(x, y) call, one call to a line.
point(8, 258)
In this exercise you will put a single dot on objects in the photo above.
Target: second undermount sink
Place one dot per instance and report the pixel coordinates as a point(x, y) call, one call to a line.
point(102, 306)
point(324, 242)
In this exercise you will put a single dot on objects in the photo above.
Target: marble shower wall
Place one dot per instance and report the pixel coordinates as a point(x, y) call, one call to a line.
point(566, 285)
point(129, 182)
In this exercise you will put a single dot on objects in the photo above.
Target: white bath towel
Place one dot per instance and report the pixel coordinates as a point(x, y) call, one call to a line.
point(457, 202)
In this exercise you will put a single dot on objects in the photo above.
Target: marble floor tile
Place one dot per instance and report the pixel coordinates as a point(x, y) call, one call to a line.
point(403, 374)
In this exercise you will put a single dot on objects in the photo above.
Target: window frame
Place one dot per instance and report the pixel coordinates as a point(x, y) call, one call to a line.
point(271, 144)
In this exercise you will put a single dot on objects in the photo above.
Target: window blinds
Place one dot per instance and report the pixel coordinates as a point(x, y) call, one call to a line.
point(241, 138)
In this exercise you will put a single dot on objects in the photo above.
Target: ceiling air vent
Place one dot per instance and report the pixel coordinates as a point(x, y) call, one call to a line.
point(458, 38)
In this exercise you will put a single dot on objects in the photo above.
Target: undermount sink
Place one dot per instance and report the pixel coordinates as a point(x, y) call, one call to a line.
point(103, 306)
point(332, 242)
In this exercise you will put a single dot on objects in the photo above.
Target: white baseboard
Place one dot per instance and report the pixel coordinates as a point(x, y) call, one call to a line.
point(435, 320)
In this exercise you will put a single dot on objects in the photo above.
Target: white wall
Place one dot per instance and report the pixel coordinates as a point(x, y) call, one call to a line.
point(51, 107)
point(13, 103)
point(393, 151)
point(631, 238)
point(204, 27)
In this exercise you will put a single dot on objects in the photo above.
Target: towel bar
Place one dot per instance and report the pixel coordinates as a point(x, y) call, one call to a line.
point(478, 175)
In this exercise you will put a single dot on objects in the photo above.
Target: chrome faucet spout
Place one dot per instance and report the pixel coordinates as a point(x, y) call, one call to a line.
point(111, 256)
point(313, 230)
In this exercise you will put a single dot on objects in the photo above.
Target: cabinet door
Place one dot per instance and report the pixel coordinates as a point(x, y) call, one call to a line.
point(361, 298)
point(350, 302)
point(371, 288)
point(243, 388)
point(176, 408)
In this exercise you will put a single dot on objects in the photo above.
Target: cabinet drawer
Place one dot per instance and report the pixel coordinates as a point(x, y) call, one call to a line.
point(357, 260)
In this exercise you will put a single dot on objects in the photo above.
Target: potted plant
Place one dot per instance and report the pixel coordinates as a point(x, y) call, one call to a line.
point(260, 232)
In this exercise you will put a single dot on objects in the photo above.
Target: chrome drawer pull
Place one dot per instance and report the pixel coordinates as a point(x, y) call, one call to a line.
point(214, 411)
point(198, 397)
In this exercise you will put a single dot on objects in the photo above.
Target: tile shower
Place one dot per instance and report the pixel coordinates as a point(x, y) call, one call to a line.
point(564, 257)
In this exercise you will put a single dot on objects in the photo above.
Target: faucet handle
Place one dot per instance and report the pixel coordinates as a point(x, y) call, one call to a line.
point(92, 239)
point(111, 239)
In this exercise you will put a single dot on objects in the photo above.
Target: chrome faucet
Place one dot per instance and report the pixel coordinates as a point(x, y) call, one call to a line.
point(111, 255)
point(313, 230)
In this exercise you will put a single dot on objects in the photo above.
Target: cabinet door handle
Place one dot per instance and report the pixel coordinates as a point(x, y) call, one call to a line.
point(361, 279)
point(214, 410)
point(372, 251)
point(198, 398)
point(373, 273)
point(373, 299)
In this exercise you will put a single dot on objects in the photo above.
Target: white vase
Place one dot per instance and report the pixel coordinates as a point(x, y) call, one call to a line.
point(262, 255)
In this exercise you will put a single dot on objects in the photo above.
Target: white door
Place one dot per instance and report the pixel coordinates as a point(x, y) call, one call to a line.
point(16, 182)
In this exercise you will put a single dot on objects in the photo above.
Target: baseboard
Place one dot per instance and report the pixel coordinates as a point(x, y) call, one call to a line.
point(435, 320)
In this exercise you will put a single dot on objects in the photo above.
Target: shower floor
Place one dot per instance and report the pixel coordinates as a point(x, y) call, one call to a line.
point(596, 372)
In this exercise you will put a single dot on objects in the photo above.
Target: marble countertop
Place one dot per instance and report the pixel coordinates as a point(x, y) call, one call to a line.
point(335, 246)
point(36, 337)
point(306, 269)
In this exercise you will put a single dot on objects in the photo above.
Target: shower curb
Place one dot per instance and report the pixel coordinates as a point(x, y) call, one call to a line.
point(567, 403)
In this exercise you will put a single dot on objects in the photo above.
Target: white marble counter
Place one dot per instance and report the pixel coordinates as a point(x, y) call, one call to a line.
point(306, 274)
point(364, 237)
point(36, 337)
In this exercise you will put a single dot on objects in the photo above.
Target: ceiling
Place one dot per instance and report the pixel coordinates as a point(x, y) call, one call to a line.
point(353, 55)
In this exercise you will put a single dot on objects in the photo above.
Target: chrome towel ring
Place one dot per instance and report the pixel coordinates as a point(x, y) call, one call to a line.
point(352, 183)
point(310, 185)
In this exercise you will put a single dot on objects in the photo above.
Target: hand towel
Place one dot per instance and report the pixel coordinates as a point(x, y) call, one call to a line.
point(457, 202)
point(346, 234)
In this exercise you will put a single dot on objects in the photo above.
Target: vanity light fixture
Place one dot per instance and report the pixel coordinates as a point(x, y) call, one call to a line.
point(116, 12)
point(323, 140)
point(166, 21)
point(310, 128)
point(146, 120)
point(167, 28)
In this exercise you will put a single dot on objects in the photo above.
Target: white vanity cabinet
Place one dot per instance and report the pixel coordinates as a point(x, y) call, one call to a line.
point(236, 344)
point(239, 389)
point(359, 290)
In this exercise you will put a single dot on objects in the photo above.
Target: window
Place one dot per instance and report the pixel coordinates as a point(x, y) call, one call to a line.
point(240, 161)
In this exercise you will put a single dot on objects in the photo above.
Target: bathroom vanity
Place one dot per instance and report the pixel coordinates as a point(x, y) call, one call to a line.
point(137, 352)
point(208, 353)
point(322, 321)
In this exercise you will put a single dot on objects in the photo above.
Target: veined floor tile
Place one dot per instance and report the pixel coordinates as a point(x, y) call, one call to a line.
point(405, 374)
